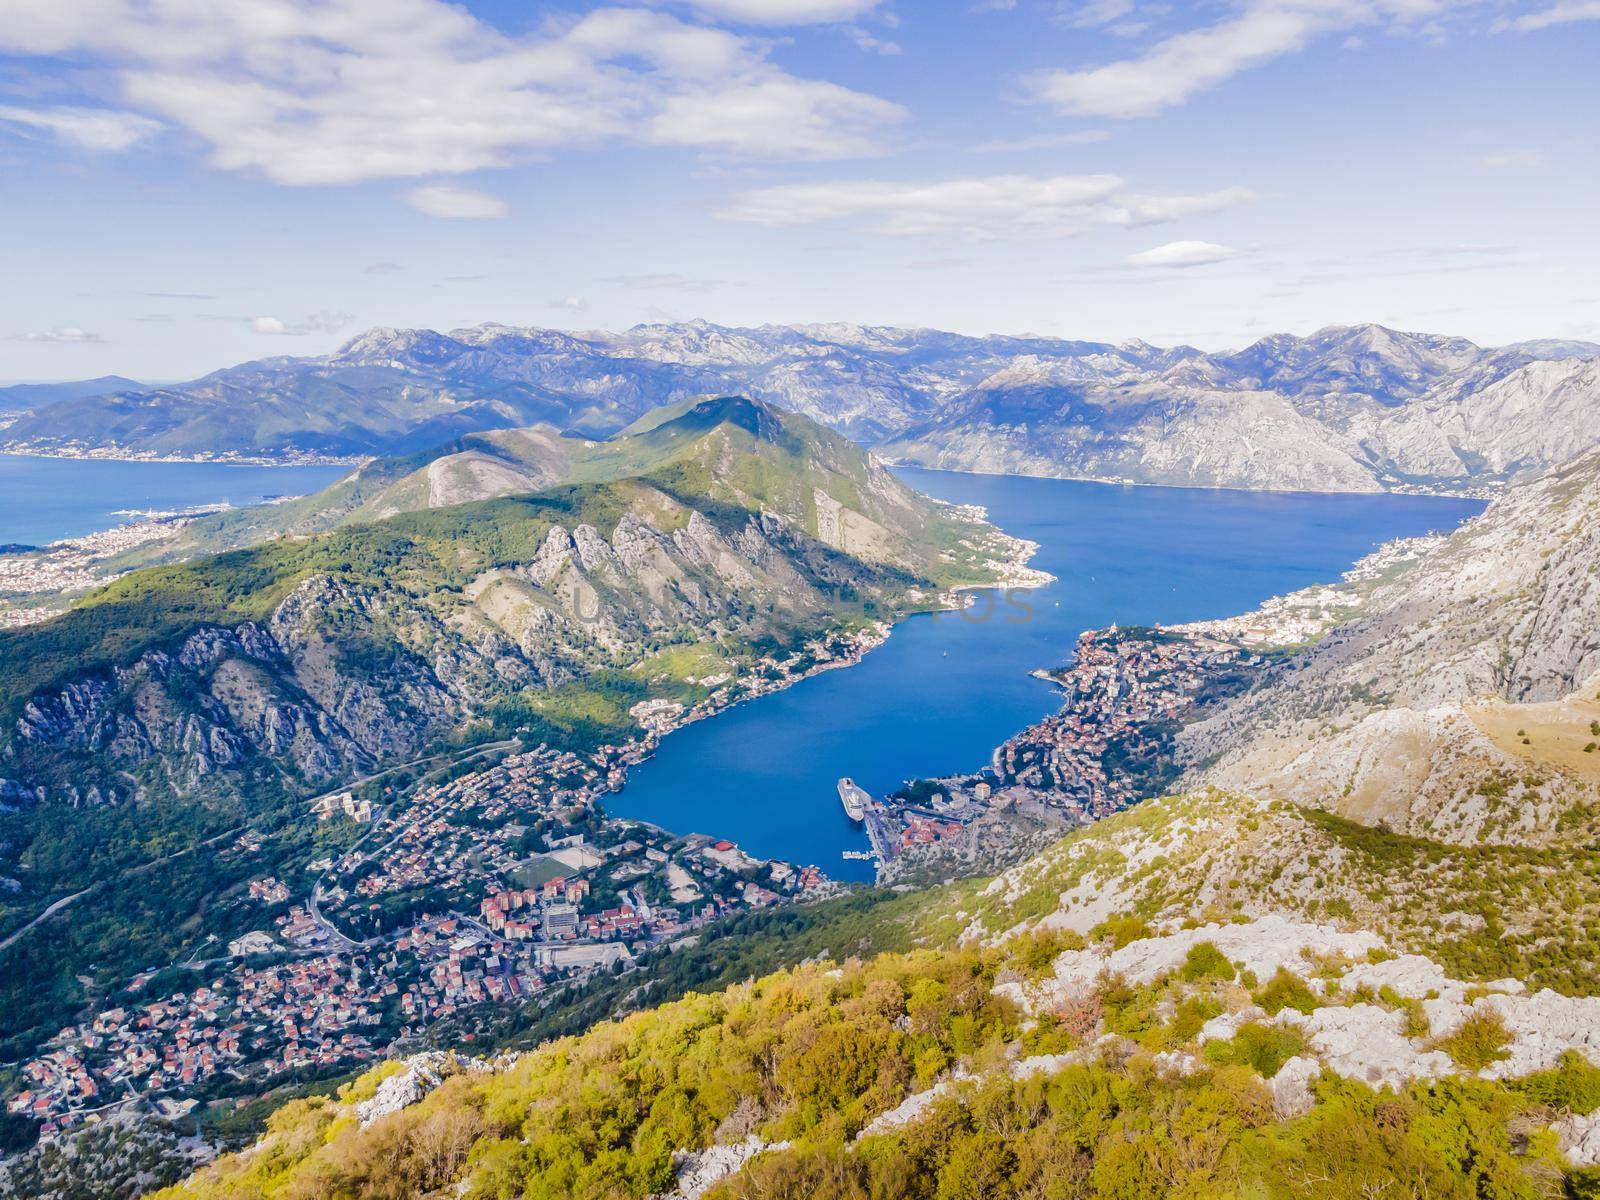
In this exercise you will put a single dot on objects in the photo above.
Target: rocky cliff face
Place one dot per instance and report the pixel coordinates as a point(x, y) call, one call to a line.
point(341, 675)
point(1457, 700)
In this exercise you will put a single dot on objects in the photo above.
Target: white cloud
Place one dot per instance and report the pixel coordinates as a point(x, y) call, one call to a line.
point(1044, 141)
point(1003, 206)
point(1513, 159)
point(445, 200)
point(1183, 254)
point(1557, 14)
point(810, 118)
point(68, 334)
point(785, 12)
point(320, 322)
point(337, 91)
point(664, 282)
point(87, 128)
point(382, 268)
point(871, 44)
point(1090, 13)
point(1178, 67)
point(571, 304)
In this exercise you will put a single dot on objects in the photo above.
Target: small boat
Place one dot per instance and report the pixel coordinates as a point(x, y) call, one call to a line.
point(855, 800)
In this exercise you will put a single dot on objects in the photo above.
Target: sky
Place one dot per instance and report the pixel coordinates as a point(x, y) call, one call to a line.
point(186, 184)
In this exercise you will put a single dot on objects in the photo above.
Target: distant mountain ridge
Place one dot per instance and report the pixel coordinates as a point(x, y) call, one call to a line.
point(1348, 408)
point(1359, 408)
point(20, 397)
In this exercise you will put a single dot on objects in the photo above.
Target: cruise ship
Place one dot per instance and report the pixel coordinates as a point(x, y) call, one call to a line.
point(855, 800)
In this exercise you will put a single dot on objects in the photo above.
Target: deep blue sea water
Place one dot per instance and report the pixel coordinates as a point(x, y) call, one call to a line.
point(947, 688)
point(44, 499)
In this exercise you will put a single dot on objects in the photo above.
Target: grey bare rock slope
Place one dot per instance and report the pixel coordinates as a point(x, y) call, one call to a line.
point(1452, 694)
point(1347, 409)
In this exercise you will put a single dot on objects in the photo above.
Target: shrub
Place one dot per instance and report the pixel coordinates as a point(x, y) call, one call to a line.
point(1259, 1045)
point(1573, 1085)
point(1478, 1041)
point(1286, 990)
point(1122, 930)
point(1205, 961)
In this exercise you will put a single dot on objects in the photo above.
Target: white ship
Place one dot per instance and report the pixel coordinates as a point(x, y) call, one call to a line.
point(855, 800)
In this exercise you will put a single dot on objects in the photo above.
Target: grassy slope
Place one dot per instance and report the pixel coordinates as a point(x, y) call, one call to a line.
point(1483, 911)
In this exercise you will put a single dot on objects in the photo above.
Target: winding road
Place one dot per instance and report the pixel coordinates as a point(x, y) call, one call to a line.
point(68, 901)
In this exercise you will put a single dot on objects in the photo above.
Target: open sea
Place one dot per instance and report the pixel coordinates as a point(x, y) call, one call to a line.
point(45, 499)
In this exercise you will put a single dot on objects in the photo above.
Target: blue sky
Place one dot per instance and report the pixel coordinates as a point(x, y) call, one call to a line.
point(191, 183)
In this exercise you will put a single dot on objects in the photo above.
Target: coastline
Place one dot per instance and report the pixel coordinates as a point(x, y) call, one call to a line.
point(229, 459)
point(1487, 491)
point(1109, 746)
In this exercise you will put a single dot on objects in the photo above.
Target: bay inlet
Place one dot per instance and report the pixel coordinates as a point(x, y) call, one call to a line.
point(946, 688)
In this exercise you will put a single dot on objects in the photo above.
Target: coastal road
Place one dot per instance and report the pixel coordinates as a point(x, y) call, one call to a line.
point(68, 901)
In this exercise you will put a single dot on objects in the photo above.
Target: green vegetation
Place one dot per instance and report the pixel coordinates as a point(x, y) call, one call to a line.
point(1478, 1041)
point(1573, 1085)
point(1205, 961)
point(1536, 907)
point(1286, 990)
point(1262, 1046)
point(430, 554)
point(810, 1056)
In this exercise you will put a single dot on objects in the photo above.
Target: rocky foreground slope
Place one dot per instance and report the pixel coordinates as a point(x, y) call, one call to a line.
point(1262, 987)
point(1358, 408)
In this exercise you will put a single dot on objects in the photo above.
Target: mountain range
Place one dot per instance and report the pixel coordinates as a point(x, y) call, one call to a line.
point(21, 397)
point(728, 449)
point(1358, 408)
point(1351, 953)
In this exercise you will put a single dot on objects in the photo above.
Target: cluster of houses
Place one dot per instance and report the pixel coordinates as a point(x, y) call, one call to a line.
point(1120, 689)
point(466, 832)
point(342, 804)
point(270, 890)
point(563, 891)
point(1121, 695)
point(309, 1013)
point(326, 998)
point(519, 914)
